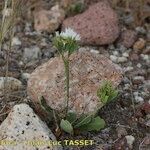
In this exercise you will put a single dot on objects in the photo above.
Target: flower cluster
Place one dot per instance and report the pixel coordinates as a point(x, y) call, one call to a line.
point(66, 41)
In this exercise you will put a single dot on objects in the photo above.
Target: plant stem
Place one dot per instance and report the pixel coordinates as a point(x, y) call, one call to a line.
point(66, 63)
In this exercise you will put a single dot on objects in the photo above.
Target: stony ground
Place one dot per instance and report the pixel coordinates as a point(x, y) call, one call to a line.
point(128, 118)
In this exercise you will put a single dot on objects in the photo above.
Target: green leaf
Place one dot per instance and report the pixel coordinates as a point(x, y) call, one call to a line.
point(45, 106)
point(83, 121)
point(95, 125)
point(66, 126)
point(107, 92)
point(71, 117)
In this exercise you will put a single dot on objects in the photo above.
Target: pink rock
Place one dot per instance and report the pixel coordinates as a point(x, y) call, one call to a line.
point(128, 37)
point(87, 72)
point(48, 20)
point(97, 25)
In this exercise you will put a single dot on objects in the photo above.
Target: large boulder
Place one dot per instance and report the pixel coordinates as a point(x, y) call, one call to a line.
point(97, 25)
point(23, 130)
point(87, 72)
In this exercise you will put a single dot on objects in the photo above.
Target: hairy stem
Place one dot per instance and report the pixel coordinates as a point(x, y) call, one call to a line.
point(66, 63)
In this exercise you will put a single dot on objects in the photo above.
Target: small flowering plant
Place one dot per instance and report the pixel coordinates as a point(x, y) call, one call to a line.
point(66, 43)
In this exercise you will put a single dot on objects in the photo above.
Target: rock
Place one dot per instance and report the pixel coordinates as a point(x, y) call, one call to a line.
point(125, 54)
point(146, 142)
point(24, 129)
point(25, 76)
point(128, 69)
point(134, 57)
point(140, 30)
point(16, 41)
point(139, 45)
point(97, 26)
point(138, 79)
point(32, 53)
point(122, 59)
point(139, 99)
point(87, 72)
point(145, 57)
point(116, 53)
point(128, 38)
point(146, 107)
point(48, 20)
point(12, 83)
point(113, 58)
point(130, 140)
point(120, 144)
point(121, 131)
point(147, 123)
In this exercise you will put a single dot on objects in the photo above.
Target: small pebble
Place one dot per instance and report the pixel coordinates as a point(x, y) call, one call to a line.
point(25, 76)
point(125, 54)
point(122, 59)
point(140, 30)
point(113, 58)
point(140, 44)
point(139, 65)
point(138, 79)
point(129, 68)
point(94, 51)
point(139, 99)
point(145, 57)
point(16, 41)
point(130, 140)
point(116, 53)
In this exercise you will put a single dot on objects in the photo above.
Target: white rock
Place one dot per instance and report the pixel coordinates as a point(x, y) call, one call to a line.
point(139, 99)
point(12, 83)
point(111, 47)
point(129, 68)
point(135, 93)
point(139, 78)
point(32, 53)
point(140, 30)
point(16, 41)
point(130, 140)
point(23, 128)
point(139, 65)
point(94, 51)
point(127, 86)
point(116, 53)
point(122, 59)
point(25, 76)
point(113, 58)
point(125, 54)
point(145, 57)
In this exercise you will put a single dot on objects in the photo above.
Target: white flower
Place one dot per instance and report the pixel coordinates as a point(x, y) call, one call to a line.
point(71, 34)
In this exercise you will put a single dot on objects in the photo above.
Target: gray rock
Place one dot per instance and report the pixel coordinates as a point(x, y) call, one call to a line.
point(32, 53)
point(113, 58)
point(24, 129)
point(125, 54)
point(139, 99)
point(12, 83)
point(25, 76)
point(122, 59)
point(16, 41)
